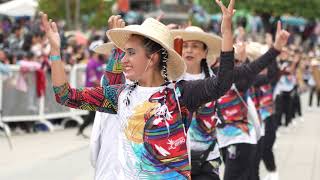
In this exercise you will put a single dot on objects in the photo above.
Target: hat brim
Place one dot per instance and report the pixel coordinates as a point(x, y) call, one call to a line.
point(254, 50)
point(176, 67)
point(105, 48)
point(213, 42)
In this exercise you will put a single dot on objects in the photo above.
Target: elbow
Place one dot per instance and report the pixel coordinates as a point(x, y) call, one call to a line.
point(60, 100)
point(225, 83)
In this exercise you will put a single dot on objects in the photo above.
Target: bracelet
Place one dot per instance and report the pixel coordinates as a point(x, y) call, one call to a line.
point(54, 57)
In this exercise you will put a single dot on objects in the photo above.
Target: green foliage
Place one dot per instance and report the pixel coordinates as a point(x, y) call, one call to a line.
point(95, 11)
point(304, 8)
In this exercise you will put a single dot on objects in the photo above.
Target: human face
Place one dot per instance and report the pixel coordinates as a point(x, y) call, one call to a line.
point(193, 52)
point(135, 62)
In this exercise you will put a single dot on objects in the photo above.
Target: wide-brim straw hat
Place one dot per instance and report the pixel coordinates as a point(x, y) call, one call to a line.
point(254, 50)
point(194, 33)
point(104, 48)
point(157, 32)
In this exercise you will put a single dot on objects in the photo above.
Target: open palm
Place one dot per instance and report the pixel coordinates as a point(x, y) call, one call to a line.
point(51, 31)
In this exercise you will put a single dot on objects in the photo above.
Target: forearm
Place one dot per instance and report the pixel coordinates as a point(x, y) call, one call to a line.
point(58, 73)
point(196, 93)
point(227, 41)
point(103, 99)
point(113, 72)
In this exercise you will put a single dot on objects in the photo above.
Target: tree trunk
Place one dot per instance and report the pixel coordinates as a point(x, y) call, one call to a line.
point(77, 15)
point(68, 17)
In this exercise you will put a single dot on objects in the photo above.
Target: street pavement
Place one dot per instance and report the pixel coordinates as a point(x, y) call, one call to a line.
point(62, 155)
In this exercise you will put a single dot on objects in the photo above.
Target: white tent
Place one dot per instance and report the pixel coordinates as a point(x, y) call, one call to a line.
point(19, 8)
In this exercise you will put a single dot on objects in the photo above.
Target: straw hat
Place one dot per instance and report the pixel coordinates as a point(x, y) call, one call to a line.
point(157, 32)
point(194, 33)
point(254, 50)
point(104, 48)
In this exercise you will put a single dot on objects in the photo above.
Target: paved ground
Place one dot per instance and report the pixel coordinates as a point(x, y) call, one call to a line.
point(63, 156)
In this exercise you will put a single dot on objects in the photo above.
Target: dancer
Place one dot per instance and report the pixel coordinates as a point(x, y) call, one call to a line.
point(237, 136)
point(198, 51)
point(152, 111)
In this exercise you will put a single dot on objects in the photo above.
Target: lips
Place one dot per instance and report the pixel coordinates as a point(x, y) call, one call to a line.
point(126, 67)
point(189, 58)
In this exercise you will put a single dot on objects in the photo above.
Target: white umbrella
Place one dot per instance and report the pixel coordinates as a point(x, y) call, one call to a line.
point(19, 8)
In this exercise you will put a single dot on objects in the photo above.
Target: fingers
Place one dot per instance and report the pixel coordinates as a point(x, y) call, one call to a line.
point(110, 22)
point(279, 28)
point(45, 22)
point(231, 5)
point(223, 8)
point(120, 22)
point(160, 16)
point(115, 22)
point(123, 24)
point(54, 27)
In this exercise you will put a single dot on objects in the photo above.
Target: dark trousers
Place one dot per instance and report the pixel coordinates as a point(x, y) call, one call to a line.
point(87, 121)
point(284, 107)
point(238, 159)
point(209, 171)
point(312, 91)
point(264, 150)
point(268, 142)
point(296, 103)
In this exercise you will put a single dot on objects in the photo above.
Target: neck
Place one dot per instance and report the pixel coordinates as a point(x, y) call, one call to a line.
point(194, 69)
point(153, 80)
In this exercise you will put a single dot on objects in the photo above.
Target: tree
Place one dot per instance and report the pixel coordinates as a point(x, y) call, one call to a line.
point(304, 8)
point(96, 11)
point(266, 8)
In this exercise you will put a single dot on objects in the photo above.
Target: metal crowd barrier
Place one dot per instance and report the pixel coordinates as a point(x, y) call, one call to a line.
point(17, 106)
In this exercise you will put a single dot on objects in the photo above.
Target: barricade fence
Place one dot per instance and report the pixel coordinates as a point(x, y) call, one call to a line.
point(19, 101)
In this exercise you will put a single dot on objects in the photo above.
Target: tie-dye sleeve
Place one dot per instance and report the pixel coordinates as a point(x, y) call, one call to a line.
point(103, 99)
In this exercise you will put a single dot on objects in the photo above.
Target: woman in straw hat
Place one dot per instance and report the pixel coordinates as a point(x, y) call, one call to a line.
point(153, 111)
point(199, 49)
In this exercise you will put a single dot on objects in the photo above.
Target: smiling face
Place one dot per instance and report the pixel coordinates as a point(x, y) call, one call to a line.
point(193, 52)
point(137, 60)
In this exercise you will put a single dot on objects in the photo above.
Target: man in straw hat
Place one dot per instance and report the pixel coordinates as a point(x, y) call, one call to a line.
point(153, 111)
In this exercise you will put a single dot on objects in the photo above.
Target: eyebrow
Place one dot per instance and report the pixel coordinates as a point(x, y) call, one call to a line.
point(130, 49)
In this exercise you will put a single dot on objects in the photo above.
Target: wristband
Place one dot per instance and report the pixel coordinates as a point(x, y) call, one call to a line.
point(54, 57)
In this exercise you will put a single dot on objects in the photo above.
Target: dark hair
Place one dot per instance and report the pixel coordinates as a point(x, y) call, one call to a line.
point(153, 47)
point(203, 64)
point(205, 68)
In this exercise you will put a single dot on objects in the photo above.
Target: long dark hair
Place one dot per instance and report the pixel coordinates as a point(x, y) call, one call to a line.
point(203, 64)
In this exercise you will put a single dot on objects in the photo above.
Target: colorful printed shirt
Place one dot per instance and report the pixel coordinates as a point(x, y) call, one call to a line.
point(152, 136)
point(202, 130)
point(232, 112)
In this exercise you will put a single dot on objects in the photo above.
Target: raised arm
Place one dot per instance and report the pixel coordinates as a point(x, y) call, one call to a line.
point(113, 72)
point(102, 99)
point(245, 74)
point(196, 93)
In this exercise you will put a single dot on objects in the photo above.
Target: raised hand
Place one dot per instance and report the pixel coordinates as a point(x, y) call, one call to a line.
point(227, 14)
point(241, 51)
point(282, 37)
point(52, 33)
point(115, 21)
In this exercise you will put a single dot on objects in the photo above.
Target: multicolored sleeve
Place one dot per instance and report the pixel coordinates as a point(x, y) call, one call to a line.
point(113, 72)
point(103, 99)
